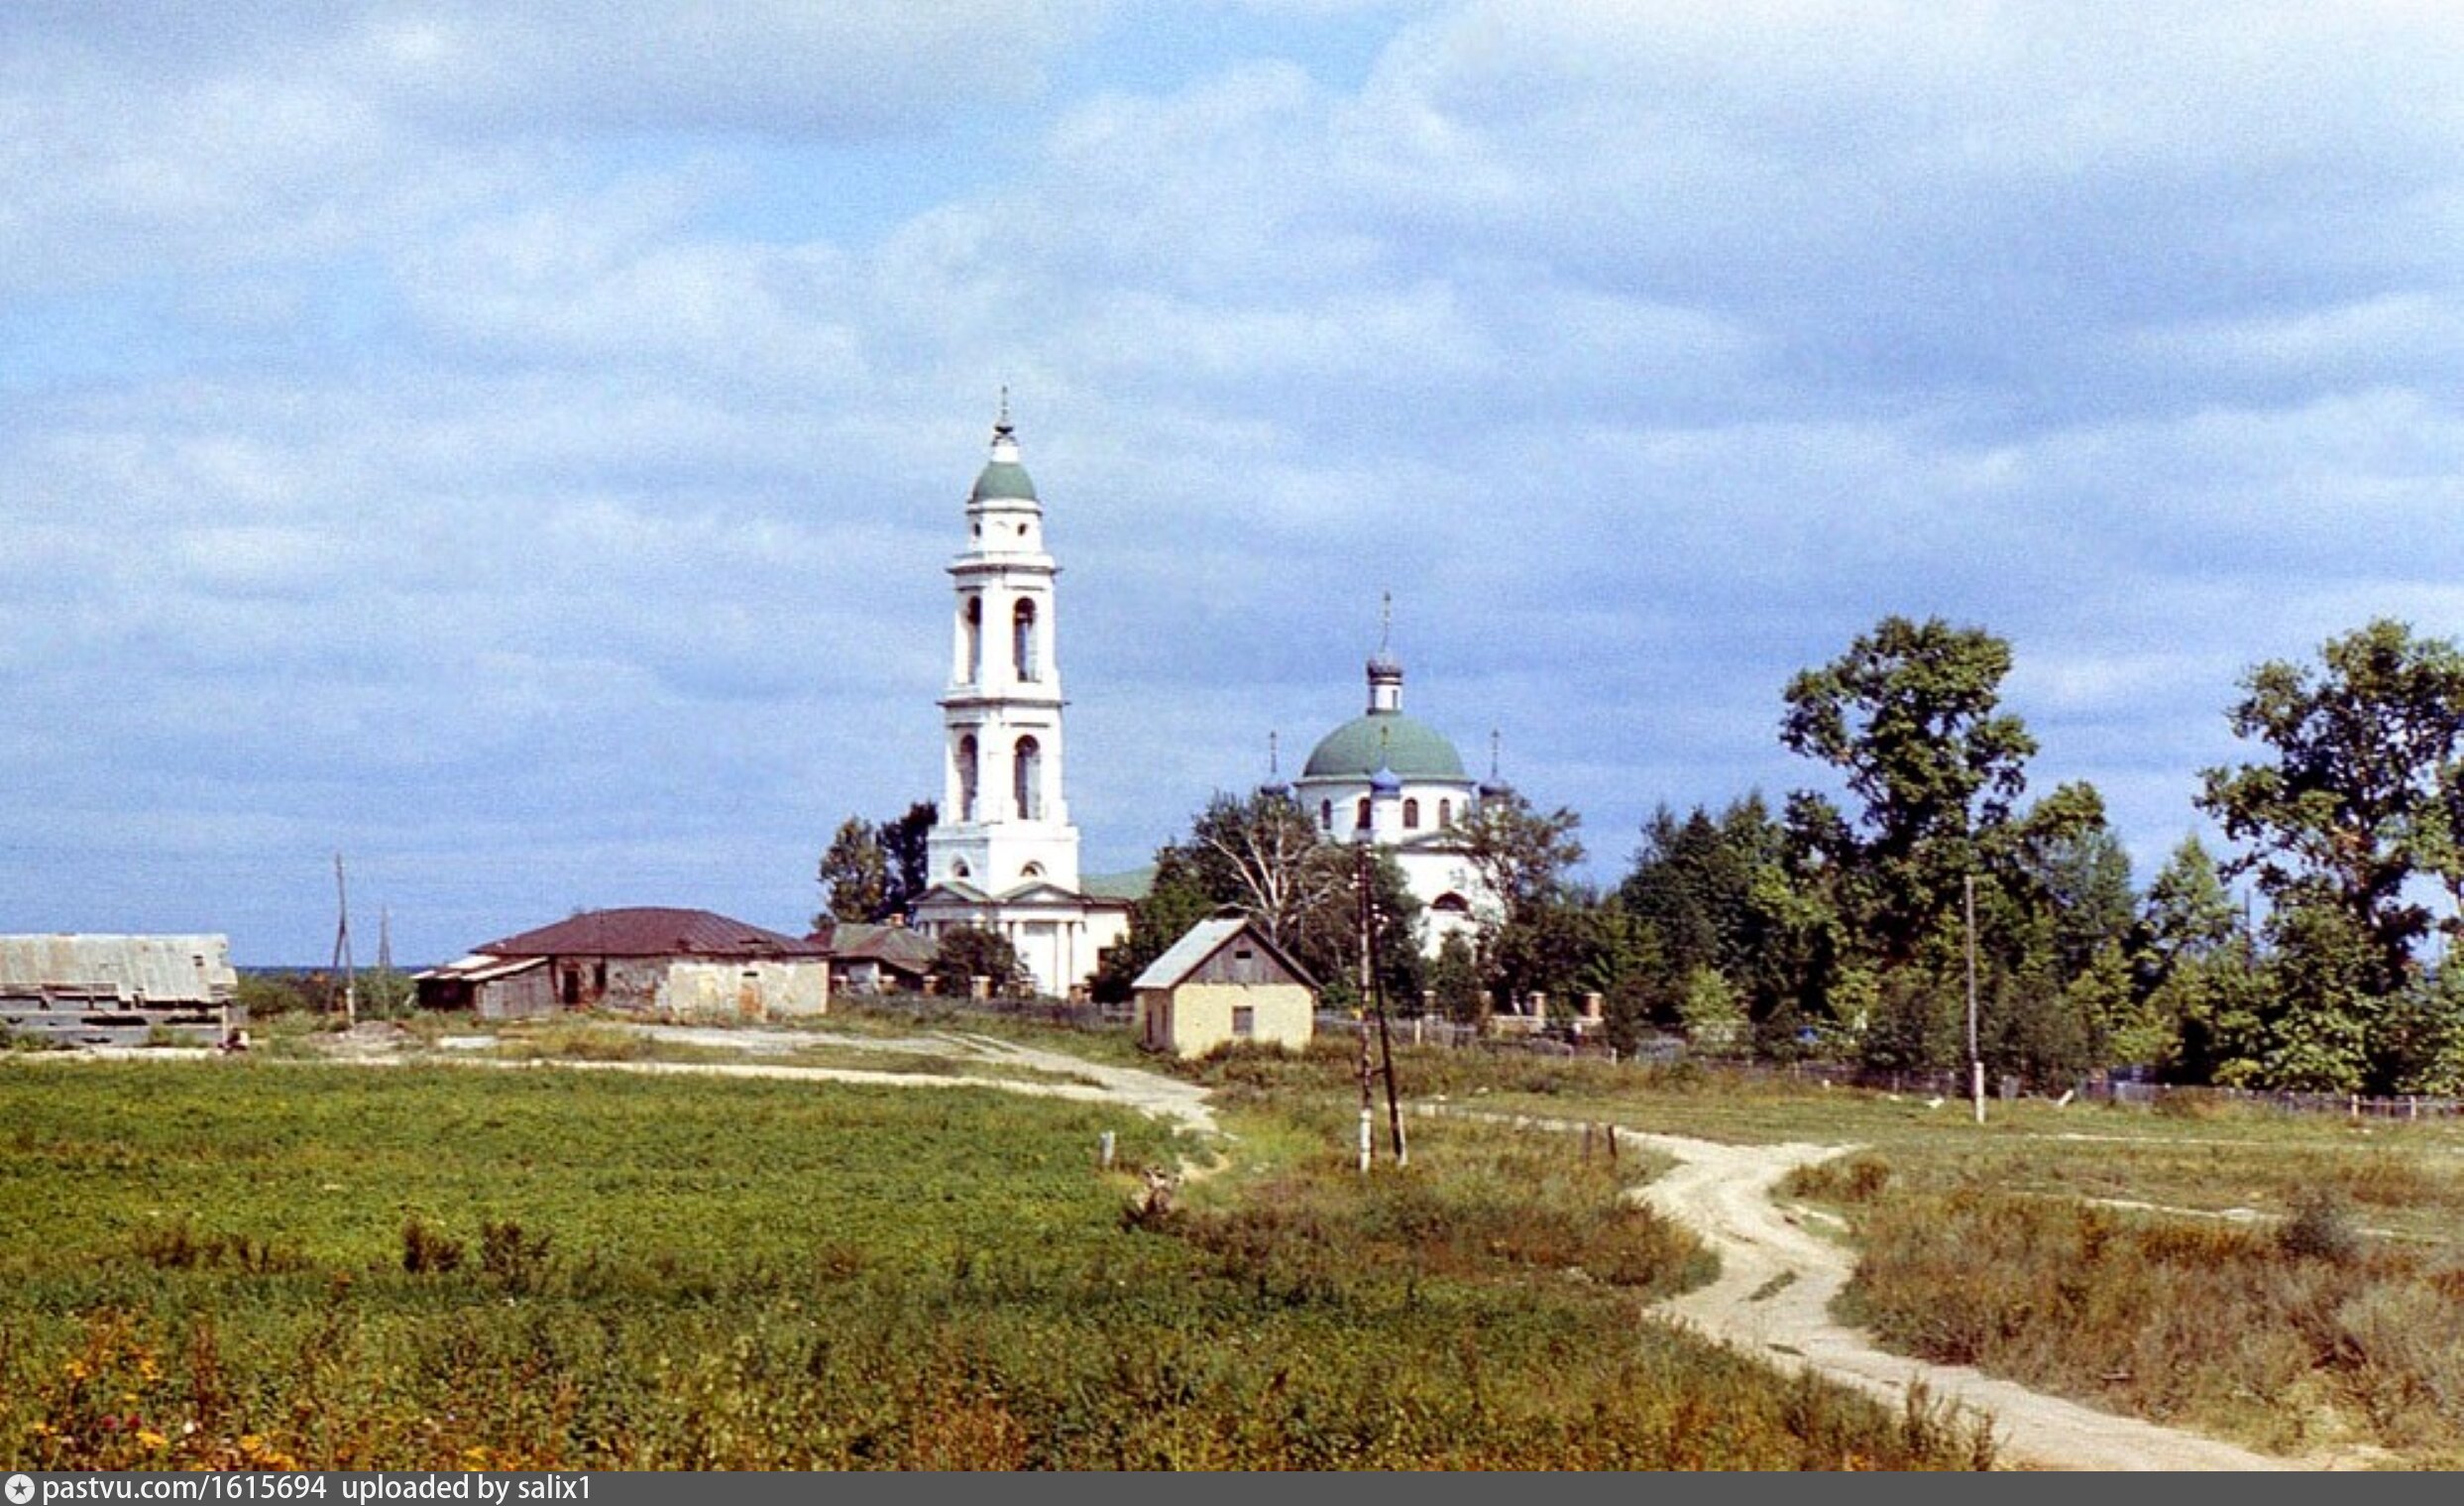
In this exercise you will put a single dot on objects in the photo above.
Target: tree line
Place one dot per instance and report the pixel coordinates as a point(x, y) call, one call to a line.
point(1837, 925)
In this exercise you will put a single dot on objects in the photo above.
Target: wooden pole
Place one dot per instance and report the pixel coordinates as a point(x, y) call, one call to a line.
point(1976, 1060)
point(1386, 1045)
point(1360, 887)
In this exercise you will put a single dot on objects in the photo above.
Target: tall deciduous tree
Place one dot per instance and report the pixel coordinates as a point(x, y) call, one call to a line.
point(2361, 791)
point(1264, 854)
point(903, 849)
point(854, 874)
point(1910, 718)
point(1524, 858)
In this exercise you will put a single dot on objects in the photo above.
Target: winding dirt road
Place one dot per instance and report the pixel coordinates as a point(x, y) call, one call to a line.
point(1773, 1300)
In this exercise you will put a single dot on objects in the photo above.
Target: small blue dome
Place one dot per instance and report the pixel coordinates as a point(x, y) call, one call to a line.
point(1385, 781)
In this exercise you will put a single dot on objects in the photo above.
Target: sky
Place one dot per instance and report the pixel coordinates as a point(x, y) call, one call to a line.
point(518, 448)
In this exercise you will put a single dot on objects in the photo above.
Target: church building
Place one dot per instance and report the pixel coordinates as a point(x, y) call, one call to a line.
point(1390, 779)
point(1004, 855)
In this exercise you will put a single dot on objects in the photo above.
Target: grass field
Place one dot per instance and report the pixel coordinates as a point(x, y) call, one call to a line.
point(269, 1263)
point(2292, 1281)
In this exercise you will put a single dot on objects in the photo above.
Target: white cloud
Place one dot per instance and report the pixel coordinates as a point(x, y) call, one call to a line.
point(534, 460)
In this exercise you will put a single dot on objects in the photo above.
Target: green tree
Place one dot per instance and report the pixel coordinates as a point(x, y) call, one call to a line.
point(1261, 857)
point(2076, 871)
point(1325, 937)
point(967, 953)
point(855, 874)
point(1711, 1015)
point(1454, 977)
point(2187, 912)
point(1173, 902)
point(904, 850)
point(1523, 858)
point(1720, 893)
point(1265, 856)
point(1909, 717)
point(2361, 793)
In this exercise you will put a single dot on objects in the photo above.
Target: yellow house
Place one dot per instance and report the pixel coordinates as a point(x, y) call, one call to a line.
point(1224, 982)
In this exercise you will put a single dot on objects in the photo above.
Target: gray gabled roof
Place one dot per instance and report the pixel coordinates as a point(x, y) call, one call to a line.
point(1205, 940)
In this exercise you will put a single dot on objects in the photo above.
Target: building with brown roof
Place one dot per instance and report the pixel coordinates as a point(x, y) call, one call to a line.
point(667, 964)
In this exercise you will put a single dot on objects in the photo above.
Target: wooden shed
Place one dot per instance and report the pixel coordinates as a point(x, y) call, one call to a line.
point(1224, 980)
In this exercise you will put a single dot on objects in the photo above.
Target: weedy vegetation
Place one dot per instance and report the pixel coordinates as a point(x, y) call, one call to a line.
point(243, 1263)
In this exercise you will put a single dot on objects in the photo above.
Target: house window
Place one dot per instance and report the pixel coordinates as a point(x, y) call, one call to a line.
point(1244, 1021)
point(1027, 780)
point(1022, 641)
point(1411, 815)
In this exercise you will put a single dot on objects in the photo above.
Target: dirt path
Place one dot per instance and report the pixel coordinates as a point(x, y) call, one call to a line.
point(1151, 1093)
point(1773, 1298)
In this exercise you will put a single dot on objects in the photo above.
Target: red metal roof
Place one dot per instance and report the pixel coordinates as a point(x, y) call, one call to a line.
point(651, 932)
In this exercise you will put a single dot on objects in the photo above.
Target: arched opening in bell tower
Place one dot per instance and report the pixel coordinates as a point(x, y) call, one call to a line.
point(1027, 770)
point(1022, 642)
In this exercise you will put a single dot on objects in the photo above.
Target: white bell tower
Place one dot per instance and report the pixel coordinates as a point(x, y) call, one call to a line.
point(1004, 821)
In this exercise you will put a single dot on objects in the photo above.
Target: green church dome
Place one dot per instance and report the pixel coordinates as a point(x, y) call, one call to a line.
point(1003, 479)
point(1412, 750)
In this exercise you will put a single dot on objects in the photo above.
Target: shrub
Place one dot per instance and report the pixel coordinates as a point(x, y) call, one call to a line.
point(510, 1256)
point(2321, 1228)
point(427, 1251)
point(1858, 1177)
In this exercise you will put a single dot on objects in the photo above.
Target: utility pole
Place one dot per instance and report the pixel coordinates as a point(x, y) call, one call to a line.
point(1360, 887)
point(1976, 1060)
point(342, 948)
point(1385, 1042)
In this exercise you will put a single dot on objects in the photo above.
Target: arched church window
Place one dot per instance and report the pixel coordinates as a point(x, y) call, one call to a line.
point(1452, 903)
point(1027, 776)
point(1361, 819)
point(966, 777)
point(1445, 813)
point(1327, 815)
point(1022, 641)
point(975, 628)
point(1032, 870)
point(960, 870)
point(1411, 815)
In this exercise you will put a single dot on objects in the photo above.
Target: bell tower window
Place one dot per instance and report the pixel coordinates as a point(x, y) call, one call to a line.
point(966, 777)
point(974, 634)
point(1027, 772)
point(1022, 642)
